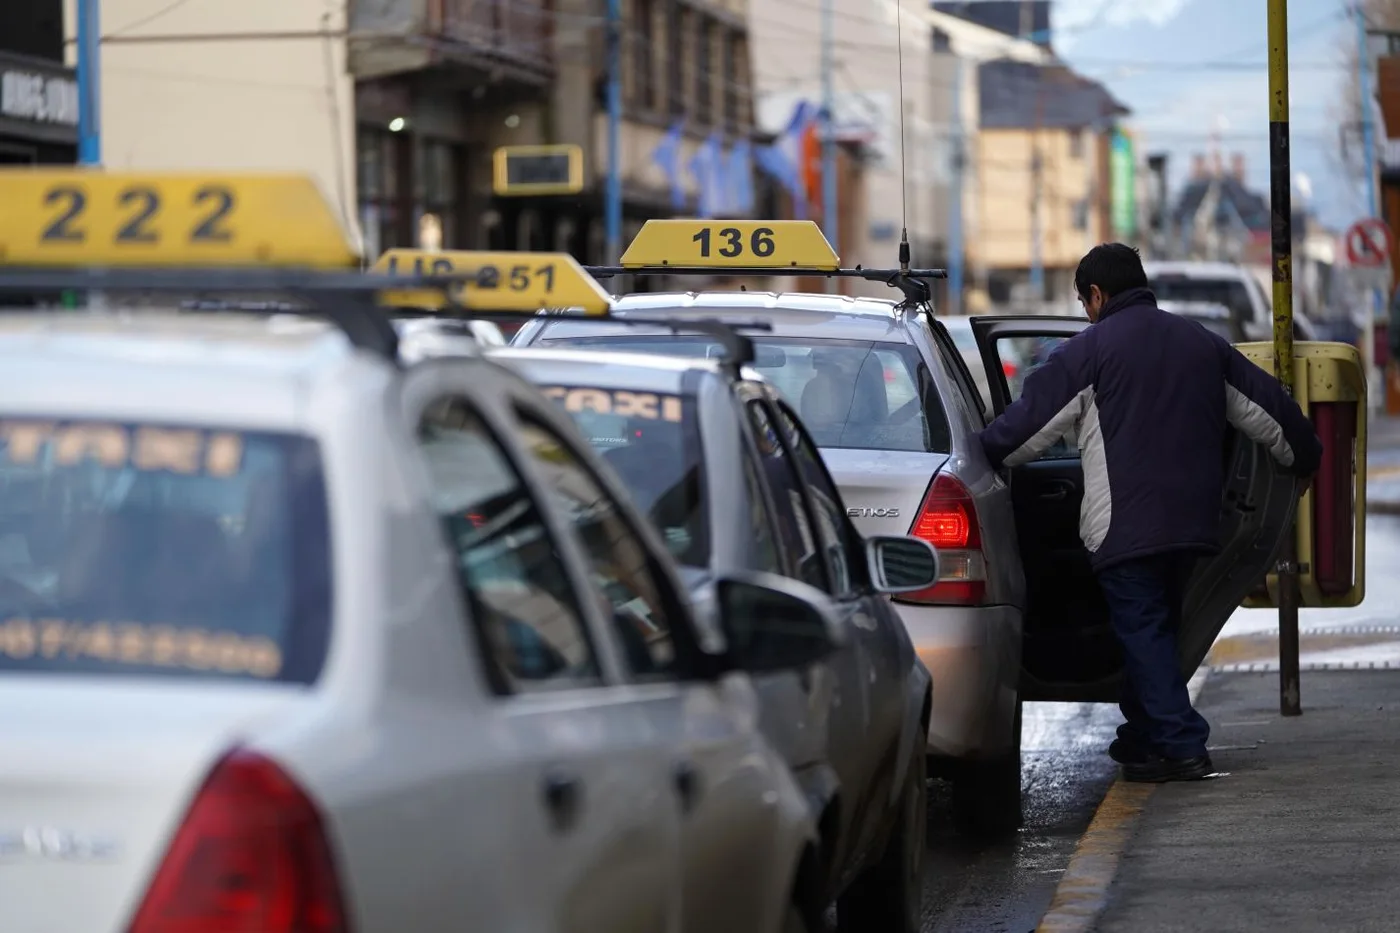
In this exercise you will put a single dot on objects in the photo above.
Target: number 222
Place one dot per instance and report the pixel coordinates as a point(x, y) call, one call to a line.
point(146, 203)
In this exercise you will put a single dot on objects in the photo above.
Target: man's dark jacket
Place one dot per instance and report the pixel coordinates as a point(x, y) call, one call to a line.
point(1150, 396)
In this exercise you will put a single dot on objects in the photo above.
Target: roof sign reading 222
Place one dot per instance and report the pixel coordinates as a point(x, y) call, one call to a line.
point(720, 244)
point(499, 282)
point(75, 217)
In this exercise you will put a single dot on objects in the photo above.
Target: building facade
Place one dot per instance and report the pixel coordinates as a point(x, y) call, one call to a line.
point(38, 93)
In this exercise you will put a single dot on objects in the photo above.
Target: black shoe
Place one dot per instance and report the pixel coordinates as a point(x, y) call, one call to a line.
point(1158, 770)
point(1126, 752)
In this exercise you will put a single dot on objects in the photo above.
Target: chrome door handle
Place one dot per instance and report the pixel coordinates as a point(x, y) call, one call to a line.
point(687, 781)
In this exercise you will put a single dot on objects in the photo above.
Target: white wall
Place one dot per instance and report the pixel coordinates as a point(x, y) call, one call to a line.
point(252, 104)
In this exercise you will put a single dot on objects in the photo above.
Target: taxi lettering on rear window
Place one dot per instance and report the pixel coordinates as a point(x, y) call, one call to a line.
point(648, 406)
point(161, 550)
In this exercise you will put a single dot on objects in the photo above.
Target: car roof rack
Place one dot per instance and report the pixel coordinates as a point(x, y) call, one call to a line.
point(738, 349)
point(348, 300)
point(756, 249)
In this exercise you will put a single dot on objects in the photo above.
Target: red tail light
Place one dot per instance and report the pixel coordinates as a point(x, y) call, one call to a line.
point(251, 857)
point(948, 521)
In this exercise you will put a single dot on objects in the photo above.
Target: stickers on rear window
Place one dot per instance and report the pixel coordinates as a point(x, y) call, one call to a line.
point(164, 646)
point(648, 406)
point(185, 451)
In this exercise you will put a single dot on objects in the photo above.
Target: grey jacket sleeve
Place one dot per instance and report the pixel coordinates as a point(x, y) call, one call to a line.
point(1257, 405)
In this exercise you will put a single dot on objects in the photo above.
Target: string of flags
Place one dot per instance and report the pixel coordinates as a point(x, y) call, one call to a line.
point(724, 180)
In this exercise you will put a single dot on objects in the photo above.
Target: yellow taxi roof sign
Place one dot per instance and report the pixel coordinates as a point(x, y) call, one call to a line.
point(499, 282)
point(720, 244)
point(91, 217)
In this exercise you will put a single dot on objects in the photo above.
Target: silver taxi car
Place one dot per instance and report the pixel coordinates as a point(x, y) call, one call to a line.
point(1017, 613)
point(728, 475)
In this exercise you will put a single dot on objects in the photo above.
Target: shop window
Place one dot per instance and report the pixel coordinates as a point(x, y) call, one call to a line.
point(436, 187)
point(704, 73)
point(730, 76)
point(639, 40)
point(378, 183)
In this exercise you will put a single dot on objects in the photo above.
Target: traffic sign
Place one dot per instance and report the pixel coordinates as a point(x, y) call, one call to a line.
point(1369, 243)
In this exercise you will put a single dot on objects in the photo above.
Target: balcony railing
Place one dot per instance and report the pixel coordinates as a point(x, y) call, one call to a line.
point(519, 32)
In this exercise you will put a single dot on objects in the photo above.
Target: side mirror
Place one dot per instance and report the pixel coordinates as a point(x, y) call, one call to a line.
point(772, 623)
point(901, 564)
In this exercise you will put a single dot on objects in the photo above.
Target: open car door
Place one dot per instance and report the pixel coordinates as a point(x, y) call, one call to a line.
point(1070, 652)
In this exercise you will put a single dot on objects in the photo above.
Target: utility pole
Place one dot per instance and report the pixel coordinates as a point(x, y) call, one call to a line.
point(1037, 278)
point(955, 213)
point(89, 84)
point(1281, 206)
point(1368, 144)
point(612, 209)
point(829, 206)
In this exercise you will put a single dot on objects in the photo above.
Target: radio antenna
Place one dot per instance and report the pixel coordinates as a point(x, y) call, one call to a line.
point(904, 257)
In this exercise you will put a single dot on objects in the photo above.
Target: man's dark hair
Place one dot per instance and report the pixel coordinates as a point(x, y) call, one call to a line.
point(1113, 267)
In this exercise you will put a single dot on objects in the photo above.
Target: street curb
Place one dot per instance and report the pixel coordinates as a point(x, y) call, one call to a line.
point(1082, 894)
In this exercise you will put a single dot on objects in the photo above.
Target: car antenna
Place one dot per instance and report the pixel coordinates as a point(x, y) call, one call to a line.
point(916, 292)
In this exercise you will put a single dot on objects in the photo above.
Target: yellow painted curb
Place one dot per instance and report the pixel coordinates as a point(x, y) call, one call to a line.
point(1083, 891)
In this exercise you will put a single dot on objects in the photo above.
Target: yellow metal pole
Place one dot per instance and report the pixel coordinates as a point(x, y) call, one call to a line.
point(1281, 198)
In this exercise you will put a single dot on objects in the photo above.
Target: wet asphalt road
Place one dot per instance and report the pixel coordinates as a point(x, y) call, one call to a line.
point(973, 886)
point(1005, 886)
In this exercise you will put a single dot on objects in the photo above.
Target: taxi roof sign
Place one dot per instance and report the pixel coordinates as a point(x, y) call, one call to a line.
point(94, 218)
point(721, 244)
point(503, 282)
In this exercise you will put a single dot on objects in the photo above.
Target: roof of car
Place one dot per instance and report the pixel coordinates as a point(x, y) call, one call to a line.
point(841, 317)
point(1196, 270)
point(610, 368)
point(268, 345)
point(1211, 309)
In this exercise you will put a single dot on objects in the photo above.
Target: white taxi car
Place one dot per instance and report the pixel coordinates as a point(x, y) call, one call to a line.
point(298, 638)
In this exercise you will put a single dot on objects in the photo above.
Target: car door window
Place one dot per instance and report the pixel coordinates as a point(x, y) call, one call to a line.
point(624, 571)
point(524, 611)
point(765, 548)
point(795, 532)
point(1029, 354)
point(954, 359)
point(837, 537)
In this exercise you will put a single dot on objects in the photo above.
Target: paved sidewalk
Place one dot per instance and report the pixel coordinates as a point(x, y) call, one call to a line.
point(1300, 834)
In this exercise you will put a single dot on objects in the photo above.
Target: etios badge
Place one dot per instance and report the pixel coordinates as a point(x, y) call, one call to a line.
point(873, 513)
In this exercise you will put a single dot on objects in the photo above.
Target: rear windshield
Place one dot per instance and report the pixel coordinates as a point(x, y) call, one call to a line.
point(162, 551)
point(857, 394)
point(652, 440)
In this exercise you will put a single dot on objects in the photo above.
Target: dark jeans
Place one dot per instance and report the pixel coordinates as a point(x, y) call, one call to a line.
point(1144, 604)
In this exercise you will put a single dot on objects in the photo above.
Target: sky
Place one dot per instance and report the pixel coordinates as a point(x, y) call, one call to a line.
point(1188, 67)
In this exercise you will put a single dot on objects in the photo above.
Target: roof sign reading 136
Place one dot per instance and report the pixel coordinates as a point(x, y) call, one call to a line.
point(720, 244)
point(68, 217)
point(498, 282)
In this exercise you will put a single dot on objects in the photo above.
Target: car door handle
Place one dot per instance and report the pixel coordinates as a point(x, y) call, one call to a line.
point(687, 781)
point(1055, 491)
point(561, 797)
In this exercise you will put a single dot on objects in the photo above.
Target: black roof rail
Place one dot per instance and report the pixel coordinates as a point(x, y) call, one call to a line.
point(738, 349)
point(913, 283)
point(348, 300)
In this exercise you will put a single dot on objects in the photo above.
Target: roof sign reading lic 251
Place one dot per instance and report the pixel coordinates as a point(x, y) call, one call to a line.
point(38, 98)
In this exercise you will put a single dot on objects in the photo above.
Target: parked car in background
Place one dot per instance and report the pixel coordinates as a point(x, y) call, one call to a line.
point(1227, 284)
point(959, 327)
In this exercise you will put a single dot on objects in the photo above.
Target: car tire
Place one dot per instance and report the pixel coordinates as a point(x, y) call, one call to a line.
point(987, 794)
point(888, 897)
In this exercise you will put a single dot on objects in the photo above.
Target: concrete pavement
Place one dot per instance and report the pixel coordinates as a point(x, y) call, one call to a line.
point(1297, 833)
point(1383, 466)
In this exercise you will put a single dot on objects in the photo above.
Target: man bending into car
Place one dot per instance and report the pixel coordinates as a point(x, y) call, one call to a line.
point(1149, 395)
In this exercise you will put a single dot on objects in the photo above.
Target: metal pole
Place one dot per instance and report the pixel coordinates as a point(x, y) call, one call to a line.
point(612, 209)
point(955, 214)
point(89, 84)
point(1368, 134)
point(829, 200)
point(1281, 203)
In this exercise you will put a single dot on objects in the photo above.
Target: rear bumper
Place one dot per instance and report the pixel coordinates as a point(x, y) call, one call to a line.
point(973, 654)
